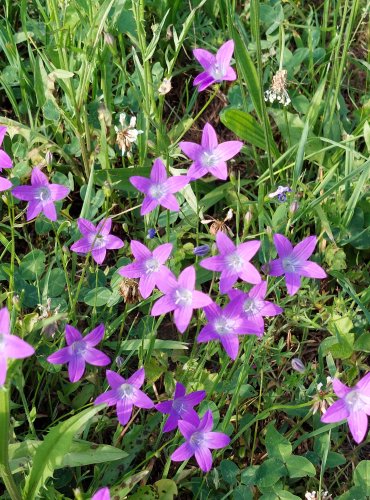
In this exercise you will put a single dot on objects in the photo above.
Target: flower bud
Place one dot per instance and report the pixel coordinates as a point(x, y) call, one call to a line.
point(298, 365)
point(151, 233)
point(201, 250)
point(49, 158)
point(293, 207)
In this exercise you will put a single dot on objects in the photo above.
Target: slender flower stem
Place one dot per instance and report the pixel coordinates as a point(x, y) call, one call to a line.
point(5, 471)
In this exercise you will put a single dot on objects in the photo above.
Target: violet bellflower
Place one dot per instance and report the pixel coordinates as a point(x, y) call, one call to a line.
point(216, 67)
point(5, 162)
point(224, 325)
point(293, 263)
point(96, 239)
point(181, 407)
point(102, 494)
point(209, 157)
point(41, 195)
point(159, 189)
point(125, 394)
point(79, 351)
point(254, 307)
point(353, 406)
point(11, 346)
point(180, 297)
point(148, 266)
point(233, 262)
point(199, 441)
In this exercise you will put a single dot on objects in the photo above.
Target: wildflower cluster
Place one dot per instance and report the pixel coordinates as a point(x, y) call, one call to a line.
point(236, 312)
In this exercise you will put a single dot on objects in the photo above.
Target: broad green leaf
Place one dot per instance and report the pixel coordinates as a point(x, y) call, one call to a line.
point(50, 454)
point(167, 489)
point(361, 475)
point(97, 297)
point(277, 445)
point(229, 471)
point(299, 467)
point(269, 472)
point(32, 265)
point(244, 126)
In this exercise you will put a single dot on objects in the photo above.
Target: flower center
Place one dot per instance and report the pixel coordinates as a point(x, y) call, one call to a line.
point(356, 401)
point(157, 191)
point(224, 325)
point(234, 262)
point(96, 240)
point(126, 391)
point(183, 297)
point(252, 306)
point(43, 194)
point(178, 405)
point(152, 265)
point(217, 72)
point(210, 159)
point(78, 347)
point(197, 439)
point(2, 342)
point(290, 264)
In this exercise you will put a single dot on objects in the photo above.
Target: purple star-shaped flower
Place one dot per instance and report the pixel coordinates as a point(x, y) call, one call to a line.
point(125, 394)
point(181, 407)
point(148, 266)
point(216, 67)
point(233, 262)
point(5, 162)
point(180, 296)
point(353, 406)
point(11, 346)
point(96, 240)
point(41, 195)
point(102, 494)
point(224, 325)
point(199, 440)
point(293, 262)
point(254, 307)
point(80, 351)
point(158, 189)
point(209, 157)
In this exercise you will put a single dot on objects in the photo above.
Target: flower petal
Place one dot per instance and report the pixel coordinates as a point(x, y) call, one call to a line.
point(33, 209)
point(133, 270)
point(124, 410)
point(60, 357)
point(50, 211)
point(231, 345)
point(177, 183)
point(191, 149)
point(305, 248)
point(216, 440)
point(224, 243)
point(224, 55)
point(209, 138)
point(196, 171)
point(139, 250)
point(186, 278)
point(109, 398)
point(163, 305)
point(86, 227)
point(283, 245)
point(219, 171)
point(166, 281)
point(4, 316)
point(312, 270)
point(336, 412)
point(187, 429)
point(216, 263)
point(183, 452)
point(250, 274)
point(114, 379)
point(205, 83)
point(293, 282)
point(95, 357)
point(274, 267)
point(358, 423)
point(142, 400)
point(17, 348)
point(182, 317)
point(162, 252)
point(72, 334)
point(58, 191)
point(3, 369)
point(194, 398)
point(76, 368)
point(200, 300)
point(38, 178)
point(170, 202)
point(82, 246)
point(5, 184)
point(158, 173)
point(5, 160)
point(204, 57)
point(227, 280)
point(340, 389)
point(113, 242)
point(141, 183)
point(204, 458)
point(180, 390)
point(99, 254)
point(104, 227)
point(137, 378)
point(230, 75)
point(229, 149)
point(147, 284)
point(171, 423)
point(149, 204)
point(363, 384)
point(206, 423)
point(248, 249)
point(207, 333)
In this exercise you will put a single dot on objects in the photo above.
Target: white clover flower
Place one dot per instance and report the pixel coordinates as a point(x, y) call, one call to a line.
point(277, 91)
point(126, 135)
point(165, 86)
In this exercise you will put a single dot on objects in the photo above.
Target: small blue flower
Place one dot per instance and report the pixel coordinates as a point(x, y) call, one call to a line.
point(280, 193)
point(151, 234)
point(201, 250)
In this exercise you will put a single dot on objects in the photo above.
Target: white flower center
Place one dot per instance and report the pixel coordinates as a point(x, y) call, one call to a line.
point(290, 264)
point(197, 439)
point(178, 405)
point(252, 306)
point(126, 391)
point(96, 240)
point(78, 347)
point(151, 265)
point(183, 297)
point(217, 72)
point(357, 401)
point(234, 262)
point(157, 191)
point(210, 159)
point(43, 194)
point(224, 325)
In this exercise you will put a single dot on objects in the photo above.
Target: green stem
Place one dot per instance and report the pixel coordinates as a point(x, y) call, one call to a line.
point(5, 471)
